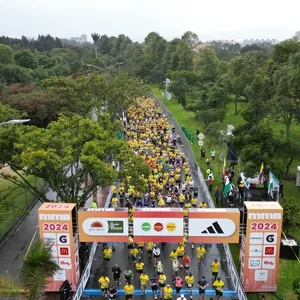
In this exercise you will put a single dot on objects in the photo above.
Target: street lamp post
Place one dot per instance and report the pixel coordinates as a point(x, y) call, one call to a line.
point(16, 121)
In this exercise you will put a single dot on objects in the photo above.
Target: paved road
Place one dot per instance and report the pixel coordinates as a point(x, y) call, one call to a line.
point(121, 257)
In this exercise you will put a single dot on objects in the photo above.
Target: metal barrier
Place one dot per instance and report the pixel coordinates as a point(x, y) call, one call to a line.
point(138, 292)
point(87, 270)
point(231, 269)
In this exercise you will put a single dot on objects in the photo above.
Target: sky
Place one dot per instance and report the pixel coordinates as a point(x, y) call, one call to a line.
point(210, 19)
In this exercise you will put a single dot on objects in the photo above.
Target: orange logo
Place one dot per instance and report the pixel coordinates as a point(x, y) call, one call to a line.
point(171, 226)
point(158, 226)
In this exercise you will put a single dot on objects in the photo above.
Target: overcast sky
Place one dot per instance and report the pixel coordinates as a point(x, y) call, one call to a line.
point(210, 19)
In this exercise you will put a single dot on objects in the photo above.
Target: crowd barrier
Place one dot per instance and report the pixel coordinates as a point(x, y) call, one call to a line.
point(87, 270)
point(230, 266)
point(138, 292)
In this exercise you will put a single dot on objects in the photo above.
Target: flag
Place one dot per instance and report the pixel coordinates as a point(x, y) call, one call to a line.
point(227, 187)
point(261, 173)
point(224, 167)
point(273, 185)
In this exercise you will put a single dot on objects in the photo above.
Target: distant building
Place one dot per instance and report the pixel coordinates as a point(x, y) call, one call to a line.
point(259, 42)
point(80, 39)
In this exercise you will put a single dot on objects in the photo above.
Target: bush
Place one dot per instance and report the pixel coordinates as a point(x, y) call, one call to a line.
point(296, 287)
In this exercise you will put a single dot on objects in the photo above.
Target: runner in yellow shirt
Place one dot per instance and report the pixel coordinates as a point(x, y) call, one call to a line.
point(194, 202)
point(218, 285)
point(144, 279)
point(129, 291)
point(203, 204)
point(139, 266)
point(133, 253)
point(173, 255)
point(104, 285)
point(149, 248)
point(107, 253)
point(168, 292)
point(180, 254)
point(189, 280)
point(200, 254)
point(215, 266)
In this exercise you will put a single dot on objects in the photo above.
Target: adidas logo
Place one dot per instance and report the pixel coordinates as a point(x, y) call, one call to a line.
point(215, 228)
point(209, 227)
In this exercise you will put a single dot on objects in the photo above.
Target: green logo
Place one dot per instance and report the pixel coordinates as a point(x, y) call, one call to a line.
point(115, 227)
point(146, 226)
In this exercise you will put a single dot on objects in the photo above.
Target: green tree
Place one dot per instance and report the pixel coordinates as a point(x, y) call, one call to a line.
point(73, 156)
point(25, 59)
point(6, 54)
point(38, 266)
point(182, 58)
point(68, 57)
point(179, 87)
point(207, 64)
point(191, 38)
point(291, 214)
point(284, 50)
point(286, 100)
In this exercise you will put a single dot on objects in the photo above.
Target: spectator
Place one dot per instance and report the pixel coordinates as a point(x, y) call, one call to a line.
point(94, 204)
point(202, 154)
point(116, 274)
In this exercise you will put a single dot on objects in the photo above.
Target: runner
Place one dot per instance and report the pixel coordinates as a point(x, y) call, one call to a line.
point(112, 293)
point(175, 266)
point(162, 279)
point(129, 291)
point(156, 254)
point(202, 285)
point(218, 285)
point(139, 266)
point(107, 253)
point(186, 263)
point(168, 292)
point(144, 279)
point(159, 268)
point(181, 297)
point(189, 280)
point(200, 254)
point(128, 276)
point(178, 282)
point(180, 254)
point(173, 255)
point(133, 253)
point(154, 285)
point(104, 284)
point(215, 266)
point(116, 274)
point(149, 247)
point(141, 247)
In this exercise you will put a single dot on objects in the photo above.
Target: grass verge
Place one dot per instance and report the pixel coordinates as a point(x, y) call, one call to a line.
point(14, 202)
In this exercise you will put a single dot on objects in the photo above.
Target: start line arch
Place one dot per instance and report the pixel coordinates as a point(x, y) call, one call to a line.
point(62, 226)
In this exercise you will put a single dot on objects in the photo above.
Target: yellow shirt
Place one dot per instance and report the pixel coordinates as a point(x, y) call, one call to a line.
point(107, 253)
point(180, 250)
point(139, 266)
point(173, 255)
point(129, 289)
point(188, 205)
point(201, 252)
point(114, 201)
point(181, 198)
point(203, 205)
point(162, 278)
point(168, 292)
point(194, 201)
point(215, 267)
point(134, 251)
point(140, 244)
point(219, 284)
point(161, 202)
point(144, 279)
point(104, 282)
point(149, 246)
point(189, 279)
point(186, 212)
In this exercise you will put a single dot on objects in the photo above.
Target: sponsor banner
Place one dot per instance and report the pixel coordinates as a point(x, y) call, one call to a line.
point(264, 222)
point(214, 225)
point(103, 226)
point(55, 225)
point(158, 225)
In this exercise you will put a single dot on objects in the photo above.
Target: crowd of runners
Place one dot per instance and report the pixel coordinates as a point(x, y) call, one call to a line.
point(170, 184)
